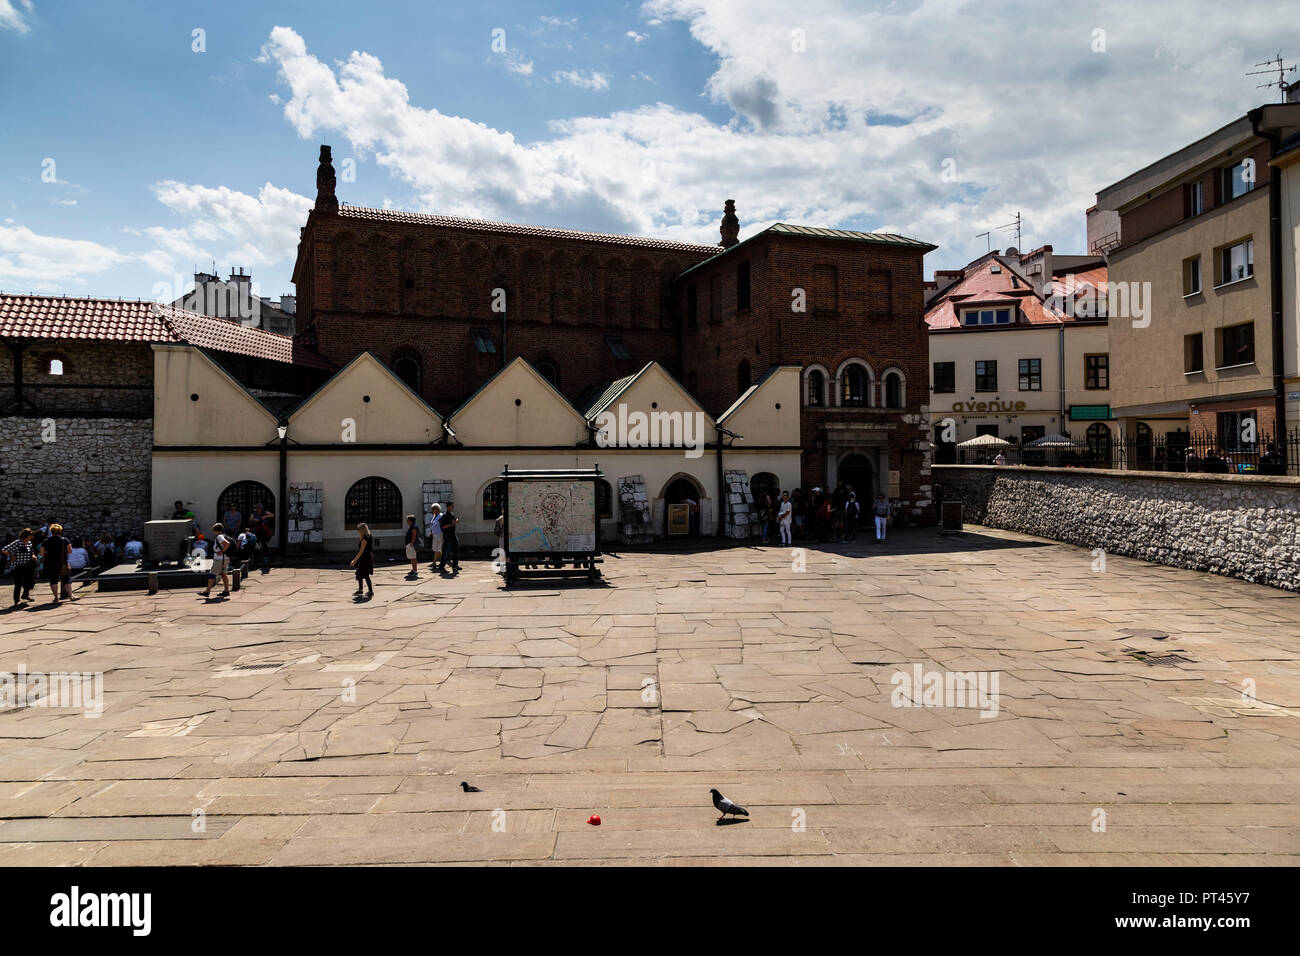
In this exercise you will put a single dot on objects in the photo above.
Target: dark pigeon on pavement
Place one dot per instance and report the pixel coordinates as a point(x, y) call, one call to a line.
point(725, 806)
point(468, 789)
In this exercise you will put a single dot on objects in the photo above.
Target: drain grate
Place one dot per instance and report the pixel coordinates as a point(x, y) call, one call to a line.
point(269, 665)
point(1169, 660)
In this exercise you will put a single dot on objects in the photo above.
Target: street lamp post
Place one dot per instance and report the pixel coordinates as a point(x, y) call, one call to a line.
point(283, 431)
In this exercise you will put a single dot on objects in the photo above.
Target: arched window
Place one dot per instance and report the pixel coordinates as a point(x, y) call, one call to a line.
point(816, 389)
point(408, 370)
point(855, 386)
point(548, 371)
point(604, 500)
point(1098, 439)
point(242, 496)
point(376, 501)
point(55, 367)
point(764, 483)
point(893, 390)
point(494, 499)
point(742, 376)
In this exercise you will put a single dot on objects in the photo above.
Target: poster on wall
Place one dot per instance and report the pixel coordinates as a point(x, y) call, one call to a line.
point(894, 486)
point(679, 519)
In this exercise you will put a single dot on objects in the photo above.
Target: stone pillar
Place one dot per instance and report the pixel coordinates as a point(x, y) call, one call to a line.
point(635, 521)
point(306, 527)
point(436, 489)
point(737, 492)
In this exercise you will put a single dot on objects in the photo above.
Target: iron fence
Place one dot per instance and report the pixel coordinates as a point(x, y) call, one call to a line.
point(1175, 451)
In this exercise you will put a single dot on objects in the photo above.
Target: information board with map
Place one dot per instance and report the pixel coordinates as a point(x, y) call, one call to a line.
point(551, 516)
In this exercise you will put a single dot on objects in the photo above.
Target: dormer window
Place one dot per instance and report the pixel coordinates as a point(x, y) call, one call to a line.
point(986, 317)
point(995, 269)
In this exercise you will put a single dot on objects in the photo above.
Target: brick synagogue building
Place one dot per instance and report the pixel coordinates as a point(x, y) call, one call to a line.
point(447, 303)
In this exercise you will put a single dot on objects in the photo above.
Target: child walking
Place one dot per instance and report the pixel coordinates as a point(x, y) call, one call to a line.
point(364, 561)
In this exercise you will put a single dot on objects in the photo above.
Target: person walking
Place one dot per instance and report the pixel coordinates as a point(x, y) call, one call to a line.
point(450, 540)
point(882, 516)
point(263, 524)
point(851, 510)
point(221, 547)
point(785, 518)
point(763, 508)
point(411, 538)
point(838, 497)
point(824, 518)
point(54, 562)
point(800, 505)
point(364, 560)
point(22, 559)
point(433, 531)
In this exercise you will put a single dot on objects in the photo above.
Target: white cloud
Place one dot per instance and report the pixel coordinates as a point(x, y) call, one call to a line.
point(592, 80)
point(559, 21)
point(516, 63)
point(226, 225)
point(854, 130)
point(31, 261)
point(637, 37)
point(11, 18)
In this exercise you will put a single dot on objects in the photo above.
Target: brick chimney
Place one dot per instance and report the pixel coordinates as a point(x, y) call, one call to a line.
point(730, 228)
point(326, 201)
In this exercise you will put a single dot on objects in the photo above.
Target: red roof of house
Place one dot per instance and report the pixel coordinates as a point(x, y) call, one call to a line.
point(122, 320)
point(483, 225)
point(981, 286)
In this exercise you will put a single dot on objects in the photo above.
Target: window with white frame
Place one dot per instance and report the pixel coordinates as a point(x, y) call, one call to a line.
point(986, 317)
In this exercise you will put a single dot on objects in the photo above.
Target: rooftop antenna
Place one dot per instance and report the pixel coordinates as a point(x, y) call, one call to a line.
point(988, 241)
point(1272, 65)
point(1016, 226)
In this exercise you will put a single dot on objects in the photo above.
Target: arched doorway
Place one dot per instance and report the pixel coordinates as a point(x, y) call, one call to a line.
point(1098, 440)
point(684, 490)
point(241, 497)
point(856, 472)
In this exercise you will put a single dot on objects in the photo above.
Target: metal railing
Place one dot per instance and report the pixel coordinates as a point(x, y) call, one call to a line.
point(1177, 451)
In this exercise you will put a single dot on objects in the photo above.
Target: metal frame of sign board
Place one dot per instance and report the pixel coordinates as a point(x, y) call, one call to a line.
point(551, 563)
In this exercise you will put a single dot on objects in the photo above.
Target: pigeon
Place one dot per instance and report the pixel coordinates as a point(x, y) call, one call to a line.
point(725, 806)
point(468, 789)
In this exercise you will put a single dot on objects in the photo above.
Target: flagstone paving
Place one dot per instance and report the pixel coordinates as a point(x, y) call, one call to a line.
point(683, 671)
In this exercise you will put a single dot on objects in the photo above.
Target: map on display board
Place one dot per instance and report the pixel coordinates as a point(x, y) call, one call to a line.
point(557, 516)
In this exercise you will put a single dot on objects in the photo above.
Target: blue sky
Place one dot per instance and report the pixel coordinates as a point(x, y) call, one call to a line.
point(627, 117)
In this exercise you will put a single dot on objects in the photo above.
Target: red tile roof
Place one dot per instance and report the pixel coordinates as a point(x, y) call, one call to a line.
point(483, 225)
point(980, 285)
point(122, 320)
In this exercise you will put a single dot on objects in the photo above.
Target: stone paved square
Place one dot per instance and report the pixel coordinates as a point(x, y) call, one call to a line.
point(309, 729)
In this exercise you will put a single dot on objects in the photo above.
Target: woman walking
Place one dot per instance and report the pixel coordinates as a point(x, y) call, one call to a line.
point(413, 545)
point(54, 565)
point(364, 561)
point(23, 564)
point(433, 531)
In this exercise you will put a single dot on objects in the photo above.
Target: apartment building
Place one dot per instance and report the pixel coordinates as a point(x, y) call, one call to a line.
point(1195, 253)
point(1019, 350)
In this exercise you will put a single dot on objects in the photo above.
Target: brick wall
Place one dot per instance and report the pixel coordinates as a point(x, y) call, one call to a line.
point(862, 301)
point(417, 289)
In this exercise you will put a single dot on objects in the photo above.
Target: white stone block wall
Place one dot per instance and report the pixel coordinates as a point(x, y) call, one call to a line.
point(306, 526)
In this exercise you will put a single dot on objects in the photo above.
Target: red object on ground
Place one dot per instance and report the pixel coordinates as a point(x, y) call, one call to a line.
point(594, 820)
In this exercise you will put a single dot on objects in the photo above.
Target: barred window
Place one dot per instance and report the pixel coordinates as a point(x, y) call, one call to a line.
point(374, 500)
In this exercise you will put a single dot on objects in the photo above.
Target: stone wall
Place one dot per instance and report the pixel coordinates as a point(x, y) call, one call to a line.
point(306, 526)
point(634, 525)
point(1244, 526)
point(738, 504)
point(91, 474)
